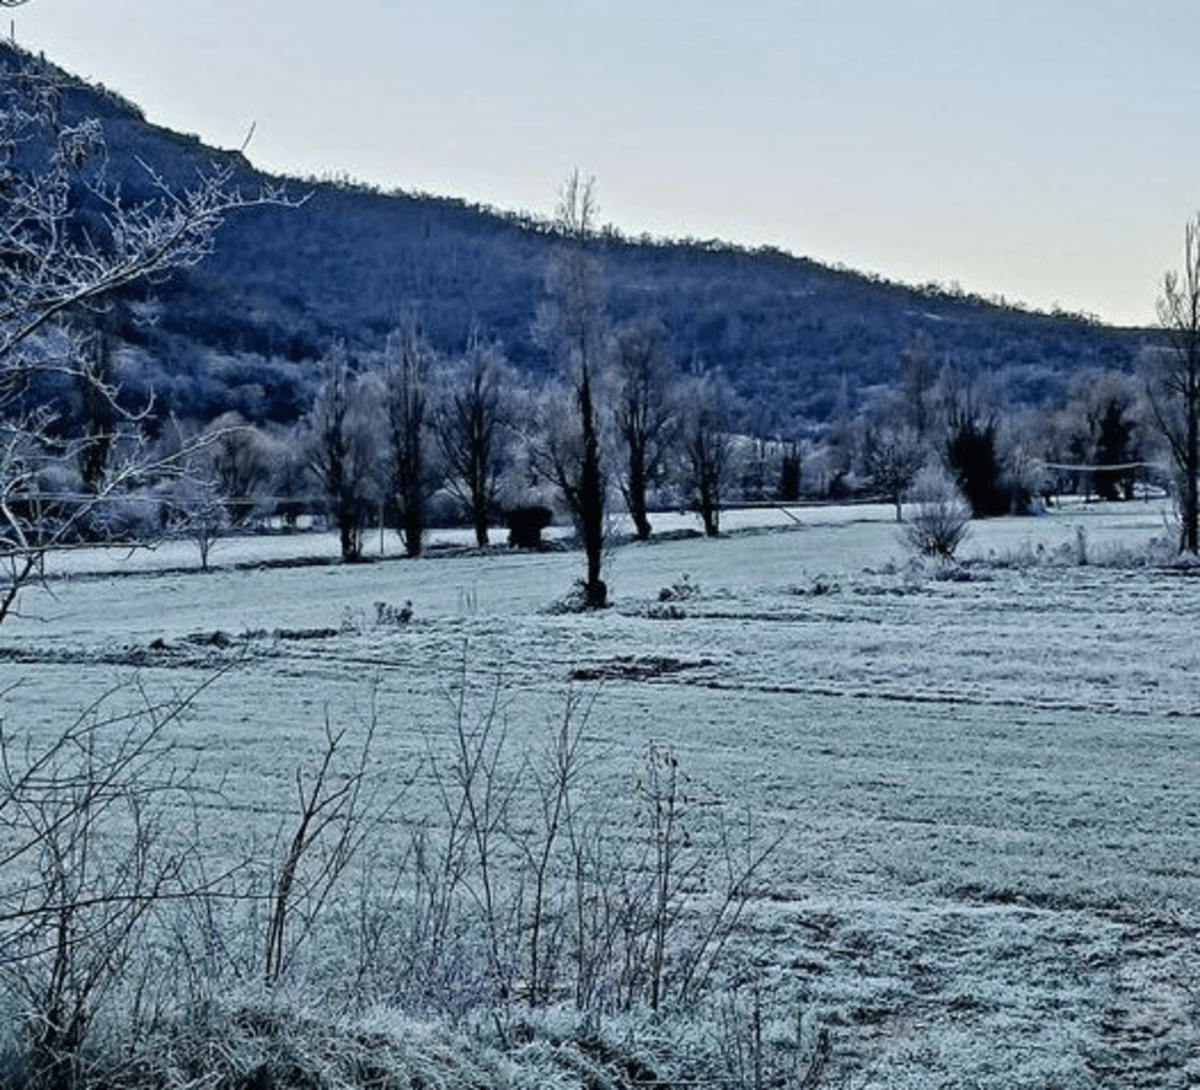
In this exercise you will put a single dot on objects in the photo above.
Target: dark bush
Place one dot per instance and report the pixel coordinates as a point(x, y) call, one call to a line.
point(1115, 451)
point(972, 459)
point(525, 525)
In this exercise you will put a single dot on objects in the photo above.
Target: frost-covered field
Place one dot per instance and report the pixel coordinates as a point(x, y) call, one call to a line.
point(989, 787)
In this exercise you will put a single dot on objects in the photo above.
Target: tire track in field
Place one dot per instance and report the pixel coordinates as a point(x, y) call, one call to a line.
point(928, 697)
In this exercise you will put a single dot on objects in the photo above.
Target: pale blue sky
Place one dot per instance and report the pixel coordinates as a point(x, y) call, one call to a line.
point(1047, 150)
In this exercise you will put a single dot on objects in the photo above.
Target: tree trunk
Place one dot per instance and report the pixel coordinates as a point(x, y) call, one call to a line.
point(350, 540)
point(481, 527)
point(1191, 502)
point(635, 496)
point(413, 530)
point(591, 487)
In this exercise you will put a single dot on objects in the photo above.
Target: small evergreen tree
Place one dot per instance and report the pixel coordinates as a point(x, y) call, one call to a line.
point(972, 459)
point(1113, 478)
point(790, 466)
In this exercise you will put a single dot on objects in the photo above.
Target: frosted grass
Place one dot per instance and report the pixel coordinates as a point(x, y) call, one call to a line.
point(988, 784)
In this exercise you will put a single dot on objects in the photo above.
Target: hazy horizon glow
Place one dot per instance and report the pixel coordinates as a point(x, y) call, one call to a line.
point(1043, 151)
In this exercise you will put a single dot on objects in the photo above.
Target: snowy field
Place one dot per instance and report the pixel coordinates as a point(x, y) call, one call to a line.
point(988, 786)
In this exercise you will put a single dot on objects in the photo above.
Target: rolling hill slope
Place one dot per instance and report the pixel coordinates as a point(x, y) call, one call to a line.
point(284, 283)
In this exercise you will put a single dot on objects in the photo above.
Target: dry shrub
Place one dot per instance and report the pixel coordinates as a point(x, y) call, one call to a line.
point(940, 519)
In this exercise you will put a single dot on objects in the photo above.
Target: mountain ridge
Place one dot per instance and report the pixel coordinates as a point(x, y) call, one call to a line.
point(795, 337)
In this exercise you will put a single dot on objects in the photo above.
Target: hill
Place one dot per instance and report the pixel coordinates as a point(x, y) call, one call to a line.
point(242, 329)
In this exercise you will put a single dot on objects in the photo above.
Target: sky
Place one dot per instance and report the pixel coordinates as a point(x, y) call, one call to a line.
point(1043, 150)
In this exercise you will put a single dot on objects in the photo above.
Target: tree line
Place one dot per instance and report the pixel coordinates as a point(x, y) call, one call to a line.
point(409, 433)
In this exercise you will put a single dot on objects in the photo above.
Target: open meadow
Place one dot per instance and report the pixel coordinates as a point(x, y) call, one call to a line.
point(982, 784)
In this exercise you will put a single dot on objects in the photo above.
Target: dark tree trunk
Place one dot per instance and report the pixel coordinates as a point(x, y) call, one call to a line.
point(591, 488)
point(635, 497)
point(1191, 502)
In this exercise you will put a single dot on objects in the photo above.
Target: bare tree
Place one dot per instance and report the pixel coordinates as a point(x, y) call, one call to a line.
point(468, 422)
point(70, 242)
point(291, 476)
point(707, 443)
point(243, 460)
point(570, 325)
point(892, 457)
point(194, 508)
point(406, 401)
point(340, 451)
point(1173, 381)
point(646, 412)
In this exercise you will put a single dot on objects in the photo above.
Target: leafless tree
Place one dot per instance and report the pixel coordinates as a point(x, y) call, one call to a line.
point(243, 460)
point(291, 476)
point(341, 451)
point(194, 509)
point(468, 423)
point(707, 443)
point(70, 243)
point(406, 403)
point(1173, 381)
point(646, 411)
point(571, 326)
point(892, 457)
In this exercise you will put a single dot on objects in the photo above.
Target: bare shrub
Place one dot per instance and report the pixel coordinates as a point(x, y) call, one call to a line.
point(940, 519)
point(516, 893)
point(84, 866)
point(331, 828)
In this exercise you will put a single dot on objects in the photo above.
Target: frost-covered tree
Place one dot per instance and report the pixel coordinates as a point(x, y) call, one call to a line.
point(342, 449)
point(891, 458)
point(571, 327)
point(918, 380)
point(472, 410)
point(406, 406)
point(1090, 440)
point(193, 508)
point(243, 461)
point(646, 412)
point(70, 243)
point(1173, 382)
point(706, 439)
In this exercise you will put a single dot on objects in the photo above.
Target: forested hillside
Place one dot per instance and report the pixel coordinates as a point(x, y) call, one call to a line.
point(243, 330)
